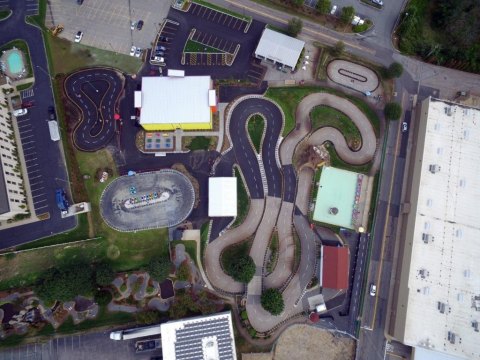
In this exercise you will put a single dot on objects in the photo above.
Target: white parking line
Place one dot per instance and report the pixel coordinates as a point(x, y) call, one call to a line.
point(38, 189)
point(41, 207)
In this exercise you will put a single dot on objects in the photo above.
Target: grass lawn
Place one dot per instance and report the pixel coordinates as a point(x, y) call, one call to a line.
point(327, 116)
point(204, 238)
point(198, 142)
point(242, 200)
point(226, 11)
point(24, 86)
point(335, 161)
point(192, 46)
point(20, 45)
point(255, 126)
point(289, 97)
point(4, 14)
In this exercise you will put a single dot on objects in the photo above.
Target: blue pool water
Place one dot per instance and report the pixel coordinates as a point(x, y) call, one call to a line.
point(15, 62)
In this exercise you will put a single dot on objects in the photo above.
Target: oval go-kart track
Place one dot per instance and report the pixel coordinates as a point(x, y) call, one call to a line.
point(95, 92)
point(150, 200)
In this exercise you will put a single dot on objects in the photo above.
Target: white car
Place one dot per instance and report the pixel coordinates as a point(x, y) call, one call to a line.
point(79, 36)
point(138, 52)
point(334, 10)
point(20, 112)
point(373, 290)
point(378, 2)
point(404, 126)
point(132, 25)
point(132, 50)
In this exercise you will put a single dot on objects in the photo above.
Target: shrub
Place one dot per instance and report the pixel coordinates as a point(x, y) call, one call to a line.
point(295, 26)
point(148, 317)
point(323, 6)
point(272, 301)
point(183, 272)
point(103, 297)
point(242, 269)
point(347, 14)
point(393, 111)
point(104, 274)
point(159, 268)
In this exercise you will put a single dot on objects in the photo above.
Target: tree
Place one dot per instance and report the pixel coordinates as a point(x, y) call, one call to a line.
point(295, 26)
point(393, 111)
point(159, 268)
point(324, 6)
point(183, 272)
point(242, 269)
point(272, 301)
point(395, 70)
point(297, 3)
point(148, 317)
point(347, 14)
point(103, 297)
point(339, 48)
point(64, 284)
point(104, 274)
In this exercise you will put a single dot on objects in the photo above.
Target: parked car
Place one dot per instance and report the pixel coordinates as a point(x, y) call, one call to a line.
point(28, 104)
point(373, 289)
point(140, 25)
point(132, 50)
point(138, 52)
point(378, 2)
point(334, 10)
point(79, 36)
point(79, 2)
point(132, 25)
point(404, 126)
point(159, 53)
point(20, 112)
point(51, 113)
point(163, 39)
point(160, 48)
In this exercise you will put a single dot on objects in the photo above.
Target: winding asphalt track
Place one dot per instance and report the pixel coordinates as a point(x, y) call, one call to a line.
point(96, 93)
point(286, 202)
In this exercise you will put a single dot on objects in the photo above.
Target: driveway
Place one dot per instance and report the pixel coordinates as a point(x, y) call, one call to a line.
point(49, 171)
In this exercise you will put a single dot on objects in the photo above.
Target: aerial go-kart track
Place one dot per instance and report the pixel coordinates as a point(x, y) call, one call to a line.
point(95, 92)
point(279, 196)
point(150, 200)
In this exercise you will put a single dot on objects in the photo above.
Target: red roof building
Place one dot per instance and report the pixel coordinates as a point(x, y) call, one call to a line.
point(335, 267)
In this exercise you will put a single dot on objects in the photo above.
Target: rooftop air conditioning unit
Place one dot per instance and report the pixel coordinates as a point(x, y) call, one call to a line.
point(434, 168)
point(451, 337)
point(427, 238)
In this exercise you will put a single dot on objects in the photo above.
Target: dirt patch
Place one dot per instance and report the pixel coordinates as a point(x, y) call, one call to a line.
point(310, 343)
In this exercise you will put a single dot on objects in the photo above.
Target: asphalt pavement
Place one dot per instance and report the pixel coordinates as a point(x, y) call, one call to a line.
point(47, 154)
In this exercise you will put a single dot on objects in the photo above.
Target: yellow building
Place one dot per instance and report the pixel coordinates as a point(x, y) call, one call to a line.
point(176, 102)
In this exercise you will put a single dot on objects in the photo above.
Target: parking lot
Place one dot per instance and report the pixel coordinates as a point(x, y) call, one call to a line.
point(106, 24)
point(214, 41)
point(30, 150)
point(218, 17)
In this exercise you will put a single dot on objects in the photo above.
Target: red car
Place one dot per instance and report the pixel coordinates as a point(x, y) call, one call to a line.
point(28, 104)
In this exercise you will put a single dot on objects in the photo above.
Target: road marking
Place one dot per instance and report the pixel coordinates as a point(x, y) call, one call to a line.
point(384, 235)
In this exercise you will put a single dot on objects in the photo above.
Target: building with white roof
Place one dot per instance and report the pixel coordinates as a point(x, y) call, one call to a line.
point(222, 196)
point(176, 102)
point(279, 48)
point(436, 307)
point(201, 338)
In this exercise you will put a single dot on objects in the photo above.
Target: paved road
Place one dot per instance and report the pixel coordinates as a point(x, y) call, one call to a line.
point(49, 172)
point(96, 93)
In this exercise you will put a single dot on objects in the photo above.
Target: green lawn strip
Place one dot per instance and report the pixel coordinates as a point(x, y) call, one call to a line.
point(198, 142)
point(335, 161)
point(79, 233)
point(255, 126)
point(242, 200)
point(274, 252)
point(277, 29)
point(289, 97)
point(190, 248)
point(204, 238)
point(192, 46)
point(234, 252)
point(22, 46)
point(12, 340)
point(4, 14)
point(327, 116)
point(316, 179)
point(221, 9)
point(24, 86)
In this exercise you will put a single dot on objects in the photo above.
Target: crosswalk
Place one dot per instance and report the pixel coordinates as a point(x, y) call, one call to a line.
point(32, 7)
point(27, 93)
point(262, 173)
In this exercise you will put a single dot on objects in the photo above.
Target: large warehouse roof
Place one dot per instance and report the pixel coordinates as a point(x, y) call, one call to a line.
point(443, 297)
point(205, 337)
point(175, 100)
point(279, 47)
point(222, 196)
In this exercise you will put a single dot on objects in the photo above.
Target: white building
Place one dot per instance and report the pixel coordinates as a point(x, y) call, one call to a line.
point(201, 338)
point(222, 196)
point(12, 193)
point(279, 48)
point(437, 304)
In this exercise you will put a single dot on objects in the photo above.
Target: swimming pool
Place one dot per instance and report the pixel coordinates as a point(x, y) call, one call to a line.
point(15, 62)
point(336, 197)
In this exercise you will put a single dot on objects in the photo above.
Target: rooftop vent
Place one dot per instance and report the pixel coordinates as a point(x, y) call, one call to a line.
point(434, 168)
point(451, 337)
point(476, 303)
point(442, 307)
point(448, 110)
point(427, 238)
point(475, 325)
point(424, 273)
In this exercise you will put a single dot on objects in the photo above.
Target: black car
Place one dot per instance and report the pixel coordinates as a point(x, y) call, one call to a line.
point(163, 39)
point(140, 25)
point(160, 48)
point(79, 2)
point(51, 113)
point(159, 53)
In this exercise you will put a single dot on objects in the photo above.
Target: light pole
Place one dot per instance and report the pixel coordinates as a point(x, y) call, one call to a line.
point(44, 71)
point(93, 87)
